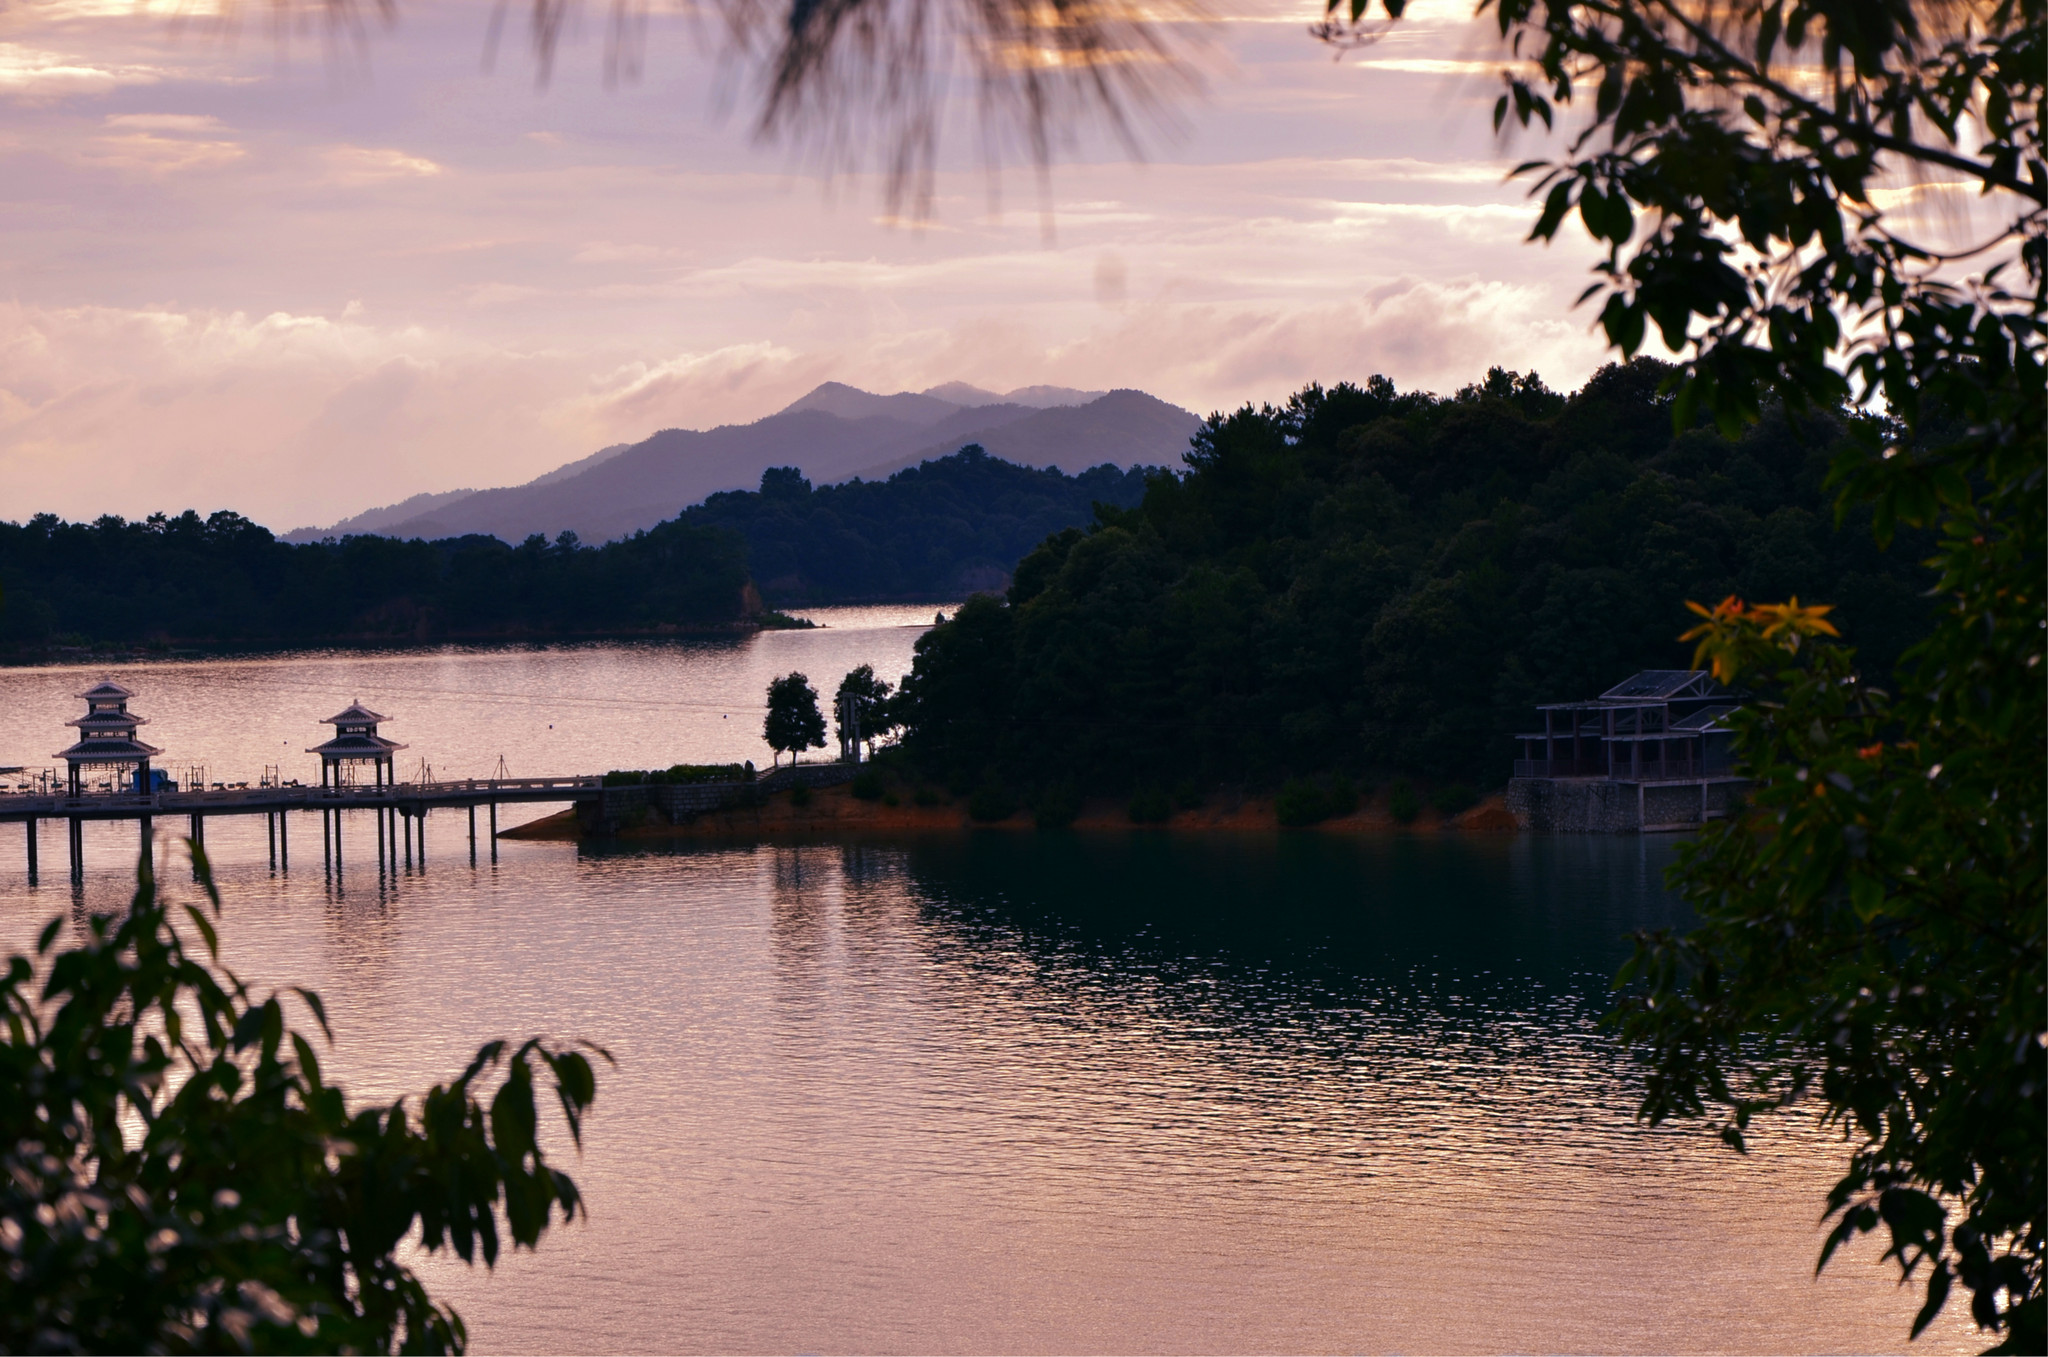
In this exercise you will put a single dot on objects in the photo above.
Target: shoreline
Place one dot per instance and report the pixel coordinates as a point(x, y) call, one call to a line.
point(834, 810)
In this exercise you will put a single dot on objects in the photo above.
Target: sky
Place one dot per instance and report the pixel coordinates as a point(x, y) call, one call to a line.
point(293, 279)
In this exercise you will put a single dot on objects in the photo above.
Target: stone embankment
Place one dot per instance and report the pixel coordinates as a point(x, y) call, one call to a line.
point(1597, 806)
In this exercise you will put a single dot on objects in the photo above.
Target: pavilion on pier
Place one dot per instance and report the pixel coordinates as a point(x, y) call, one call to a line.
point(106, 737)
point(355, 741)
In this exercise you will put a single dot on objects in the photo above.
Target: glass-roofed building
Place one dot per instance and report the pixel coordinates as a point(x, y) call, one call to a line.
point(1661, 725)
point(1654, 752)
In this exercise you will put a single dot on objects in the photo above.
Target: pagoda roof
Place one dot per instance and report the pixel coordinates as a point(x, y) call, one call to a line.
point(356, 747)
point(108, 720)
point(355, 715)
point(105, 749)
point(106, 690)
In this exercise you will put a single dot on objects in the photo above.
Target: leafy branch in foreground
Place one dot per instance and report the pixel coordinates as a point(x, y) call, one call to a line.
point(1871, 935)
point(177, 1175)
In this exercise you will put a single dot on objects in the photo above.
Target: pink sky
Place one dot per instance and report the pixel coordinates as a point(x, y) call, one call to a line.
point(242, 275)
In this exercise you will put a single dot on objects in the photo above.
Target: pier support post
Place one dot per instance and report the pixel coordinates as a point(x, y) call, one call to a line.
point(421, 831)
point(77, 847)
point(31, 848)
point(198, 839)
point(337, 843)
point(284, 847)
point(149, 843)
point(380, 844)
point(494, 831)
point(270, 831)
point(326, 842)
point(472, 833)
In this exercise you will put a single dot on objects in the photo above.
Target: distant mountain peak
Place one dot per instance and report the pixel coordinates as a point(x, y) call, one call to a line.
point(850, 402)
point(962, 393)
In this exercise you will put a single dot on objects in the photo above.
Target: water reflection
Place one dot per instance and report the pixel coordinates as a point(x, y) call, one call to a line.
point(1013, 1091)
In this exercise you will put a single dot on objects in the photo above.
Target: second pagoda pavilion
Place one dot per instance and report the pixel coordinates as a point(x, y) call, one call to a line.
point(355, 741)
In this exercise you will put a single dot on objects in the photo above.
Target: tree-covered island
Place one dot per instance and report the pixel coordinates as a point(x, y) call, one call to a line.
point(1376, 583)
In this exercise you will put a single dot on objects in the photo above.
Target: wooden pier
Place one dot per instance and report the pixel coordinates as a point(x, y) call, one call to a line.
point(400, 809)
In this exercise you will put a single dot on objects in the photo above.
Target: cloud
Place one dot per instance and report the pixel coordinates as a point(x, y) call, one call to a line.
point(373, 165)
point(27, 73)
point(162, 143)
point(637, 398)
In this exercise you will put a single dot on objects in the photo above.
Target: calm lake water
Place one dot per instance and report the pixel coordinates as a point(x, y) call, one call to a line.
point(1001, 1091)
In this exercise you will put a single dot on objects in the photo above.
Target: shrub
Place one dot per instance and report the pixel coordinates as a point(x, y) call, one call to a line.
point(800, 795)
point(891, 799)
point(1305, 801)
point(991, 802)
point(1057, 806)
point(1300, 803)
point(1454, 798)
point(1150, 806)
point(1187, 794)
point(682, 774)
point(924, 796)
point(1403, 802)
point(867, 785)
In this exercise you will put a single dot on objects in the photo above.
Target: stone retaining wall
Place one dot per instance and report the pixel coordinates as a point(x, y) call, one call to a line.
point(611, 809)
point(1597, 806)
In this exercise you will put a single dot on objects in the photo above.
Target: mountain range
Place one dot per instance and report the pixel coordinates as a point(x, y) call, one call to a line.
point(833, 433)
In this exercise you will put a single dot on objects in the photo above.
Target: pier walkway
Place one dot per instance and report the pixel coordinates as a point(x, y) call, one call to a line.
point(395, 804)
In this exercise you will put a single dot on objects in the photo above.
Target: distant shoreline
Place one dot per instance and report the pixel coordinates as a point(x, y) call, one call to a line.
point(59, 656)
point(835, 811)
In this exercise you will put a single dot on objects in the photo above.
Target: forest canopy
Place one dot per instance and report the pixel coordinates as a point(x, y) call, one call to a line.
point(934, 531)
point(1377, 582)
point(225, 579)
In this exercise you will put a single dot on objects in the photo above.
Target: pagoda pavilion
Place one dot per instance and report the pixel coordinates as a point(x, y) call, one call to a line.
point(355, 741)
point(106, 736)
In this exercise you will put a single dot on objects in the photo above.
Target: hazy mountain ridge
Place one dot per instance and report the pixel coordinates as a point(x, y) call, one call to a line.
point(835, 432)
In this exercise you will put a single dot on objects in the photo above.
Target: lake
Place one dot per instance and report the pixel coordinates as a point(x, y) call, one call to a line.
point(1003, 1090)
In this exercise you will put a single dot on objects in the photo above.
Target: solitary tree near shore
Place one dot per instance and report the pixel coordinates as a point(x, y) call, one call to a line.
point(794, 722)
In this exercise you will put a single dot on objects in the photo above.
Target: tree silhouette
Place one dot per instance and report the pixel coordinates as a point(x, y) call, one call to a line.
point(794, 722)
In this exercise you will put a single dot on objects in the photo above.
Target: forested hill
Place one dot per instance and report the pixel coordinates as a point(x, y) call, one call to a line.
point(1378, 583)
point(937, 531)
point(224, 579)
point(941, 530)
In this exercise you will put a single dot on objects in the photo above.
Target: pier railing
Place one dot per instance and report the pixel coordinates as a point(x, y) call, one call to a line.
point(129, 804)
